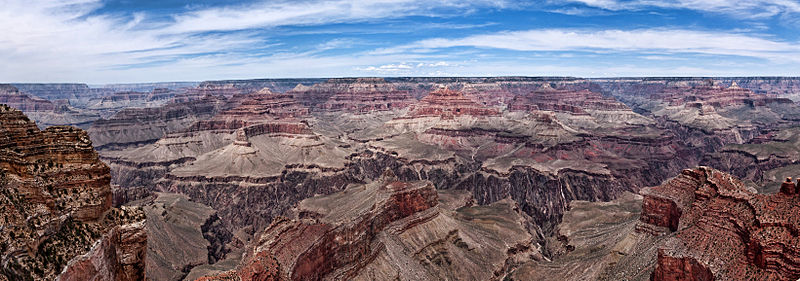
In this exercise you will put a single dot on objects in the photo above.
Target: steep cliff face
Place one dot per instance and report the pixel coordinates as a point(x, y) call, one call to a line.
point(247, 86)
point(449, 103)
point(55, 91)
point(788, 87)
point(725, 230)
point(127, 99)
point(118, 255)
point(356, 95)
point(391, 229)
point(680, 268)
point(56, 206)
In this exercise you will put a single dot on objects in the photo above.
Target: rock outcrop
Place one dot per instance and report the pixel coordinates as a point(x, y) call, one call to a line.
point(118, 255)
point(57, 219)
point(725, 230)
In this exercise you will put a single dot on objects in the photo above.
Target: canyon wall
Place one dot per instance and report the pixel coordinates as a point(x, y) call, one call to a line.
point(57, 219)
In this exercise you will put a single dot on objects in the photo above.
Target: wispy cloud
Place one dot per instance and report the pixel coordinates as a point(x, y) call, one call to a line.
point(73, 40)
point(604, 41)
point(738, 8)
point(270, 14)
point(62, 40)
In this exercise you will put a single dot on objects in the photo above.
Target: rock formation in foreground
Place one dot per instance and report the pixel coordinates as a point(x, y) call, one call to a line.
point(701, 225)
point(724, 230)
point(57, 221)
point(390, 230)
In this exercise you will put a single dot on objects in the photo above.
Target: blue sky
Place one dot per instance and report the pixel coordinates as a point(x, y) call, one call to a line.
point(108, 41)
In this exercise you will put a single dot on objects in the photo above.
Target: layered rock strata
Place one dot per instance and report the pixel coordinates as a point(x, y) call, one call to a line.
point(267, 156)
point(11, 96)
point(711, 115)
point(448, 103)
point(352, 94)
point(255, 108)
point(46, 113)
point(582, 109)
point(264, 143)
point(764, 160)
point(137, 126)
point(365, 95)
point(119, 100)
point(57, 220)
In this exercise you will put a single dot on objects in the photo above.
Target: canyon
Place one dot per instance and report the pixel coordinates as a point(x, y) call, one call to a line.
point(503, 178)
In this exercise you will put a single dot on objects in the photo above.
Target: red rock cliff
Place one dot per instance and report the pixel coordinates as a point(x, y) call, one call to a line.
point(725, 230)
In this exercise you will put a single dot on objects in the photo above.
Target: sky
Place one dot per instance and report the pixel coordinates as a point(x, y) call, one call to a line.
point(126, 41)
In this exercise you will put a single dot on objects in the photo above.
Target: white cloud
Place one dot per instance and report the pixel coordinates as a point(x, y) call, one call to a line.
point(738, 8)
point(270, 14)
point(387, 68)
point(605, 41)
point(61, 40)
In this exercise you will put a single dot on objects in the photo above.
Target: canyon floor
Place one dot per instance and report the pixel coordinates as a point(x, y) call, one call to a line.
point(501, 178)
